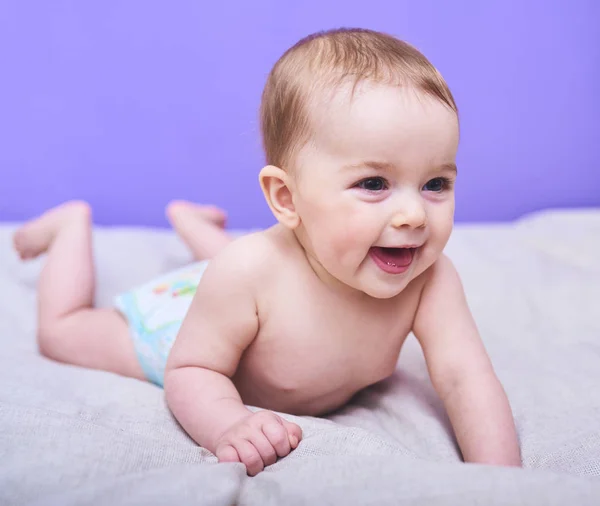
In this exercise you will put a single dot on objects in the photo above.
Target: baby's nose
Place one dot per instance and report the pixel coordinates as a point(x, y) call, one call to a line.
point(411, 214)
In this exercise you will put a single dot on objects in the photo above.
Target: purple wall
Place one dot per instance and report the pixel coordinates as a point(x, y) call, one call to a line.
point(130, 104)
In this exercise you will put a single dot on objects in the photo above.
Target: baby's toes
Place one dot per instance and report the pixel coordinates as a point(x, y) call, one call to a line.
point(22, 245)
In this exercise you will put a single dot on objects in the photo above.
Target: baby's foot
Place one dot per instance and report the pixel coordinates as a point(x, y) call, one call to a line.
point(179, 210)
point(36, 236)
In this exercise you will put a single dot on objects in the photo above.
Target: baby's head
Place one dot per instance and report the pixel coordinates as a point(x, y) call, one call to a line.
point(360, 133)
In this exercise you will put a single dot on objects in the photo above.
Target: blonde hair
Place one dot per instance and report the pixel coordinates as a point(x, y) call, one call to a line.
point(332, 58)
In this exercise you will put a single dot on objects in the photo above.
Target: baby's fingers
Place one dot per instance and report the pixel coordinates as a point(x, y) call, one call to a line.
point(227, 453)
point(294, 433)
point(277, 435)
point(249, 456)
point(264, 447)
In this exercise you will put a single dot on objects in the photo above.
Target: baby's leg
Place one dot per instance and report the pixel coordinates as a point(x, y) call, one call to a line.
point(70, 329)
point(200, 227)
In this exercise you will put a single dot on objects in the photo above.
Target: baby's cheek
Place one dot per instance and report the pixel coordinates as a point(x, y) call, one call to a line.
point(436, 243)
point(343, 234)
point(443, 232)
point(352, 242)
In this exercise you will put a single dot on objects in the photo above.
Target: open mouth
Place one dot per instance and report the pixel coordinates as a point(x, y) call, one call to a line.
point(392, 260)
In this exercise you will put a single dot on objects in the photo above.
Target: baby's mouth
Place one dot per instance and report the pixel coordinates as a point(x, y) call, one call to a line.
point(392, 260)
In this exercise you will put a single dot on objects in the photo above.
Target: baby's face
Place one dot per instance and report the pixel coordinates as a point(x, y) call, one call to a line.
point(374, 187)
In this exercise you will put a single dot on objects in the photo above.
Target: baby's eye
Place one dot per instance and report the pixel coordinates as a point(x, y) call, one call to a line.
point(373, 184)
point(437, 185)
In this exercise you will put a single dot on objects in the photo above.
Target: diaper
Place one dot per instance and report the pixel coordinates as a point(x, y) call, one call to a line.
point(155, 312)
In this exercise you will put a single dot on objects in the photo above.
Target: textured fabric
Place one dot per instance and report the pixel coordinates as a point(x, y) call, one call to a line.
point(73, 436)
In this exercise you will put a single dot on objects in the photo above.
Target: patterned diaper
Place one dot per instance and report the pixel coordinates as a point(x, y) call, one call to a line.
point(155, 312)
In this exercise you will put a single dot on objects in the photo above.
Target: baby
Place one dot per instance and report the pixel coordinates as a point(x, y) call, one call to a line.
point(361, 134)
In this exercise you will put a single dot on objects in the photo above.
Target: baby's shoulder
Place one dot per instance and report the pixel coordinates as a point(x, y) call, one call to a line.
point(250, 256)
point(439, 283)
point(440, 272)
point(426, 282)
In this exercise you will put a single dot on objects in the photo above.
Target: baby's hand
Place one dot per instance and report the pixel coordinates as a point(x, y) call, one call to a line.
point(258, 440)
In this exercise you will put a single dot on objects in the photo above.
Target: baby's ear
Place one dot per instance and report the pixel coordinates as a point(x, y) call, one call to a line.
point(275, 184)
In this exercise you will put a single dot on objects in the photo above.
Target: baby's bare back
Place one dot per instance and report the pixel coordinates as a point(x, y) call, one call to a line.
point(315, 348)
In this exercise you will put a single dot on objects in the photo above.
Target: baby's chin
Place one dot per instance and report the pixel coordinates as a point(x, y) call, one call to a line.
point(377, 288)
point(376, 285)
point(383, 290)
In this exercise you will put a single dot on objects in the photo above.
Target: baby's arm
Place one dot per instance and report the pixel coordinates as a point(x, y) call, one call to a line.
point(461, 371)
point(220, 324)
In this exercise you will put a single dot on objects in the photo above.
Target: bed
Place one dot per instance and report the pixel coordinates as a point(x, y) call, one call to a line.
point(73, 436)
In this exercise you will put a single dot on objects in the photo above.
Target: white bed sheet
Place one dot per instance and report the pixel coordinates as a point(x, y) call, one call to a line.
point(74, 436)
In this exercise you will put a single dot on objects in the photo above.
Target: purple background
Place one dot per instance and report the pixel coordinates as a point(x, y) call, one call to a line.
point(130, 104)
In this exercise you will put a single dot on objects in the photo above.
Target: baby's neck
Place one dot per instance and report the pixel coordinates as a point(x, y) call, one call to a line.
point(339, 289)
